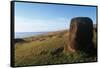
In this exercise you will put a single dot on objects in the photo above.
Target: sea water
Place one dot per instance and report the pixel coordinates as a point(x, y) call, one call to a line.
point(27, 34)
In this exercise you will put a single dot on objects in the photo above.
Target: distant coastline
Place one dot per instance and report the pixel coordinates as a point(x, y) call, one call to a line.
point(27, 34)
point(30, 34)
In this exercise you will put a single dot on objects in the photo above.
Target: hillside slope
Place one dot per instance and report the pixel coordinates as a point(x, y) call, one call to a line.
point(46, 49)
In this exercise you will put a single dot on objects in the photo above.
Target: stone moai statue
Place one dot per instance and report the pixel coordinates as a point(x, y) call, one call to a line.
point(80, 35)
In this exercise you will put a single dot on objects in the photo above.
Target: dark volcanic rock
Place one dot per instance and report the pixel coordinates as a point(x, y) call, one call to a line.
point(81, 35)
point(19, 40)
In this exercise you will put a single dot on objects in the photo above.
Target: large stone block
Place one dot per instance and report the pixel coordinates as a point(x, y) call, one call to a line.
point(80, 35)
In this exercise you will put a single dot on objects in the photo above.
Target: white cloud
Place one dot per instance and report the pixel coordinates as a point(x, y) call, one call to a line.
point(36, 25)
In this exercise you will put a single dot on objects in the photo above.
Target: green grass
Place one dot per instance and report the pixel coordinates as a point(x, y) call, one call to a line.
point(47, 51)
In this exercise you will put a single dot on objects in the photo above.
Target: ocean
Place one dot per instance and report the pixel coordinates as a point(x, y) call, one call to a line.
point(27, 34)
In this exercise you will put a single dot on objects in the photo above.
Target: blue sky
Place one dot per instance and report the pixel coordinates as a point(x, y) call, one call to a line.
point(36, 17)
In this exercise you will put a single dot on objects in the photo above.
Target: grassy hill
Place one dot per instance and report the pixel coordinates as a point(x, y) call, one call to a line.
point(47, 49)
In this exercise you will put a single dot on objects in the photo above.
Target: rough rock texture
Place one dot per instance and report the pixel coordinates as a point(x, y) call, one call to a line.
point(81, 35)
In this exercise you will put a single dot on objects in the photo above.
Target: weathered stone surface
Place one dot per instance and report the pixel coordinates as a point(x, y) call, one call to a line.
point(80, 35)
